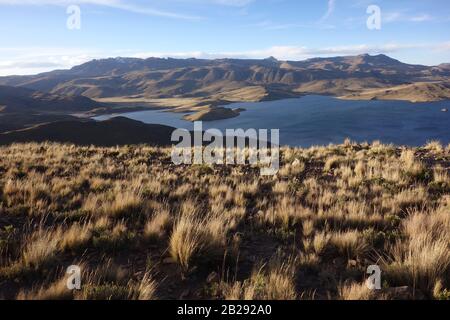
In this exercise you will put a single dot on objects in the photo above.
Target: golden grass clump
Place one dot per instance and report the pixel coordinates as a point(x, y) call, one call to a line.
point(40, 248)
point(423, 258)
point(350, 243)
point(56, 291)
point(158, 225)
point(356, 291)
point(273, 282)
point(187, 240)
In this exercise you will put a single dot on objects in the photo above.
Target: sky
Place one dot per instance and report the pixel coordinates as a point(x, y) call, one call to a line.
point(43, 35)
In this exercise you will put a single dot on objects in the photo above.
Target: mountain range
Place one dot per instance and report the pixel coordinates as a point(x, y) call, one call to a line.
point(157, 78)
point(200, 85)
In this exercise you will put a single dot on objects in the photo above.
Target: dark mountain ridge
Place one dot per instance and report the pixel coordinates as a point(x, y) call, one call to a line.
point(113, 132)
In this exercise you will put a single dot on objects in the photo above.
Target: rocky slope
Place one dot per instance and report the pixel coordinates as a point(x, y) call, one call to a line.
point(416, 92)
point(269, 78)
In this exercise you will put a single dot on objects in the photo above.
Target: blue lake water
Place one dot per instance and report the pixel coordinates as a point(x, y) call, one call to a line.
point(320, 120)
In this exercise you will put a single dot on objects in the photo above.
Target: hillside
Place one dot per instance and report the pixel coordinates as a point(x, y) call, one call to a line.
point(156, 78)
point(416, 92)
point(17, 100)
point(22, 108)
point(142, 228)
point(116, 131)
point(338, 87)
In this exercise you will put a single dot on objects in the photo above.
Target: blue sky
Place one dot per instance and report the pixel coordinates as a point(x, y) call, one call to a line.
point(35, 37)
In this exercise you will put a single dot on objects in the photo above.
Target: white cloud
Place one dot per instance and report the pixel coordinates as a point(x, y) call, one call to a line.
point(401, 17)
point(269, 25)
point(302, 52)
point(230, 3)
point(237, 3)
point(329, 12)
point(27, 61)
point(116, 4)
point(441, 47)
point(421, 18)
point(37, 59)
point(128, 5)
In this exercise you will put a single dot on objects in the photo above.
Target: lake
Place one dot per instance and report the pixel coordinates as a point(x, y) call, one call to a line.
point(320, 120)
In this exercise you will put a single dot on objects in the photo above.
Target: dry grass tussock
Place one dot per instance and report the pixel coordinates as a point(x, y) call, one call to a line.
point(142, 228)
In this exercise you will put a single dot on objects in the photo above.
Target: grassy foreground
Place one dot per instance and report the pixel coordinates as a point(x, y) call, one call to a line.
point(142, 228)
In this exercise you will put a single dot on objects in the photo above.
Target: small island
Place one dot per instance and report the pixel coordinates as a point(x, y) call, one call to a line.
point(213, 114)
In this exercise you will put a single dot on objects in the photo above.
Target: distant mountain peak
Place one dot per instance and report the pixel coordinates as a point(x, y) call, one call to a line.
point(124, 59)
point(272, 58)
point(444, 65)
point(379, 56)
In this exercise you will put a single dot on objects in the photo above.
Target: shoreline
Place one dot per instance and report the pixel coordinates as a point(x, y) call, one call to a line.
point(207, 113)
